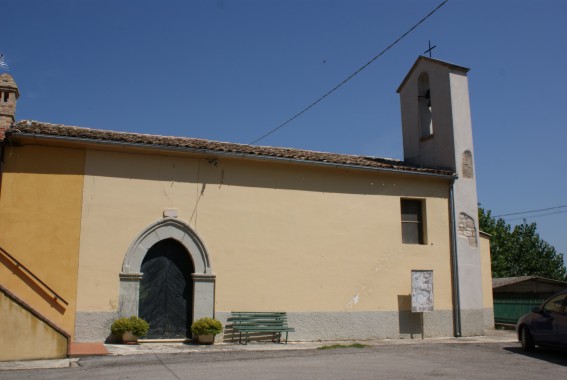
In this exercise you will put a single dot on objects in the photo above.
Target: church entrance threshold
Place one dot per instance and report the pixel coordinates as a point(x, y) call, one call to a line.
point(166, 291)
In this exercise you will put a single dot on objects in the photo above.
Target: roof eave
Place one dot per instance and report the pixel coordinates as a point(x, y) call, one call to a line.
point(216, 153)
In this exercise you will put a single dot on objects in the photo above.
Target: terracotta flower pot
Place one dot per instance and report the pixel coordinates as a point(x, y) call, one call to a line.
point(206, 339)
point(129, 338)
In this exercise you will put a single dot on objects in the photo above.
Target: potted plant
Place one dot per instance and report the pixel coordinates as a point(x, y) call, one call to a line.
point(205, 329)
point(130, 329)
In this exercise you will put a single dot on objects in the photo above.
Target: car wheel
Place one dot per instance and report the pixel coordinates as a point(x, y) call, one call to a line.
point(528, 344)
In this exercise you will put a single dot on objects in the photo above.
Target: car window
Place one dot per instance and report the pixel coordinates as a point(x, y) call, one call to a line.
point(555, 304)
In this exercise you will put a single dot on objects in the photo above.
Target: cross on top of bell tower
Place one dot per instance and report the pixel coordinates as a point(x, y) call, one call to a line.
point(430, 49)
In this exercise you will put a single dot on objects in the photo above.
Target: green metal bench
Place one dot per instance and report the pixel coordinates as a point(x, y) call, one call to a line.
point(260, 322)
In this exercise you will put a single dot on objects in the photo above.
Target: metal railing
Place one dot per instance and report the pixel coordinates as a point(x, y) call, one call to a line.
point(23, 268)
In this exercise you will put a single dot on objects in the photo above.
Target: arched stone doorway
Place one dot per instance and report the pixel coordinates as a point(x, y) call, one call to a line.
point(180, 234)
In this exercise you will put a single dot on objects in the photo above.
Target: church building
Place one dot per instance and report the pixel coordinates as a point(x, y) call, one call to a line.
point(98, 224)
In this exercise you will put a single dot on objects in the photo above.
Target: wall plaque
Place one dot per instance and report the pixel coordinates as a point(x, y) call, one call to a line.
point(421, 291)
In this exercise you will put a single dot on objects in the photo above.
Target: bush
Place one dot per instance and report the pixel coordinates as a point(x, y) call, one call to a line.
point(136, 325)
point(206, 326)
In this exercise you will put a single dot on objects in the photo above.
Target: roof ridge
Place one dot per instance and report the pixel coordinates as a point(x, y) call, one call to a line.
point(32, 122)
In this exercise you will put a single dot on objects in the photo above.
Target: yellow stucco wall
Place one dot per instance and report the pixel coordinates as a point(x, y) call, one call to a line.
point(25, 337)
point(40, 215)
point(486, 264)
point(280, 236)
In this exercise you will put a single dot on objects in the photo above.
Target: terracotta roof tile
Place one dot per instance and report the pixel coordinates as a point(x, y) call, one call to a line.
point(208, 146)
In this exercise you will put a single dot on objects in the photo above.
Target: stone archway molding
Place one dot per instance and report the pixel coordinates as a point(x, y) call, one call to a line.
point(203, 278)
point(167, 228)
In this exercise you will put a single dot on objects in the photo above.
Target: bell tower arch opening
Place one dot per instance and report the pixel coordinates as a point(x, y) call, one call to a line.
point(425, 110)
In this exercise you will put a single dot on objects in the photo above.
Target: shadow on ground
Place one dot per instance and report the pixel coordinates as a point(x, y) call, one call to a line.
point(557, 356)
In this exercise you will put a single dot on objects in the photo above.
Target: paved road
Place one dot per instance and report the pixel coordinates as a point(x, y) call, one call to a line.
point(408, 361)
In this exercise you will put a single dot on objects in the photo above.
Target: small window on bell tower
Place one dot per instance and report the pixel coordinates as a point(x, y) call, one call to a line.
point(425, 110)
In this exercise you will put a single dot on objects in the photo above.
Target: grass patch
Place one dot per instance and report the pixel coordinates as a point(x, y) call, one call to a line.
point(334, 346)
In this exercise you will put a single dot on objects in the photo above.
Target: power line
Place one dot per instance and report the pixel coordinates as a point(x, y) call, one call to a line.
point(350, 76)
point(532, 211)
point(537, 215)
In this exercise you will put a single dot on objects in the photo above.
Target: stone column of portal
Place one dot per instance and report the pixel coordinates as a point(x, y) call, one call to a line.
point(130, 290)
point(203, 295)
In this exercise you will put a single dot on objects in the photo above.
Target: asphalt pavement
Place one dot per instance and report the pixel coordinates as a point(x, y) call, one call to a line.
point(120, 350)
point(496, 356)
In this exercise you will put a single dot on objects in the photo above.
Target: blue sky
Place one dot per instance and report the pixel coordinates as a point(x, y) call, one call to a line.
point(232, 70)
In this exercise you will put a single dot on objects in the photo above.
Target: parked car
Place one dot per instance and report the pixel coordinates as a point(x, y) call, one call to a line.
point(545, 325)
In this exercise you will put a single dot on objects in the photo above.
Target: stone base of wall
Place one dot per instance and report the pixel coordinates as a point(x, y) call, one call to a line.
point(473, 322)
point(93, 326)
point(366, 325)
point(324, 326)
point(489, 319)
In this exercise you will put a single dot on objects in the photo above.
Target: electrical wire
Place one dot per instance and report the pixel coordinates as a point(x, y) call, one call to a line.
point(350, 76)
point(535, 216)
point(529, 212)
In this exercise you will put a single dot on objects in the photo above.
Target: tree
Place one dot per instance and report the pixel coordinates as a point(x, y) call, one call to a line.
point(520, 251)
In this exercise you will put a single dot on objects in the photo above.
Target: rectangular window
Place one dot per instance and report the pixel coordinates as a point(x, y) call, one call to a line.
point(412, 221)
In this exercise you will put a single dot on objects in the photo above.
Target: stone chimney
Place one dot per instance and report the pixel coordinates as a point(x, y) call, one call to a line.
point(8, 95)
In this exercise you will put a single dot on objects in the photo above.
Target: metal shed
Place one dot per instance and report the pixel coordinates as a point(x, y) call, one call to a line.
point(516, 296)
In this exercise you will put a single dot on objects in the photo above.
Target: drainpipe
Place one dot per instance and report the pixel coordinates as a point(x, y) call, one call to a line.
point(455, 264)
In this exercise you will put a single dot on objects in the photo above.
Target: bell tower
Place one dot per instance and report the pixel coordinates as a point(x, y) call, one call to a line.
point(8, 95)
point(437, 133)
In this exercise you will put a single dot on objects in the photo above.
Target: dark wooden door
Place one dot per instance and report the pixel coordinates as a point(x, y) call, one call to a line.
point(166, 291)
